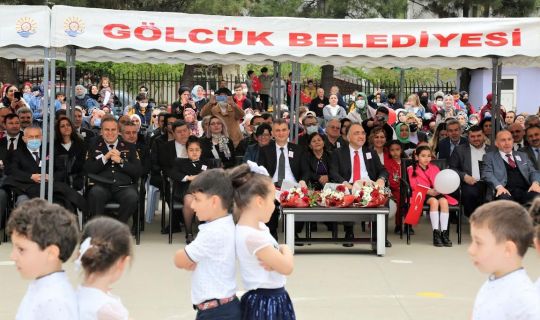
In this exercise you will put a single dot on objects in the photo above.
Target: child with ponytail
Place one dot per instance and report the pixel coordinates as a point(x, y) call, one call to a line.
point(105, 251)
point(423, 172)
point(263, 263)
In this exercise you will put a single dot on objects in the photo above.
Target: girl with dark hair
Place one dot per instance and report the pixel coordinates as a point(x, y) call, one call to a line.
point(392, 164)
point(423, 173)
point(105, 251)
point(263, 263)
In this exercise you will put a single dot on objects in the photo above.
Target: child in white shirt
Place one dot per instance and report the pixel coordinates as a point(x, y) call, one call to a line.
point(263, 263)
point(44, 236)
point(501, 232)
point(535, 214)
point(105, 251)
point(211, 256)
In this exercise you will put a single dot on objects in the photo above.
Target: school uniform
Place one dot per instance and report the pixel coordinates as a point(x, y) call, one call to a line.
point(213, 282)
point(513, 296)
point(50, 297)
point(183, 167)
point(95, 304)
point(266, 297)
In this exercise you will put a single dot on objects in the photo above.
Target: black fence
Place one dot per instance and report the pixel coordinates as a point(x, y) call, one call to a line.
point(163, 87)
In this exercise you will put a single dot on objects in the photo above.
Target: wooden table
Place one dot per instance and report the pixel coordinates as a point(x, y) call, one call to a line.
point(321, 214)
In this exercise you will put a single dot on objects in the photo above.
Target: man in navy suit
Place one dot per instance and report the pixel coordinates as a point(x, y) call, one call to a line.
point(282, 160)
point(509, 172)
point(356, 162)
point(447, 145)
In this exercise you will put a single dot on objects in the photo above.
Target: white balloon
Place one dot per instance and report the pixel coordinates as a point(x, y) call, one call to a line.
point(446, 181)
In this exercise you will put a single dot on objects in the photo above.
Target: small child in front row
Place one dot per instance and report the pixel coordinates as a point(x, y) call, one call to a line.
point(534, 211)
point(423, 172)
point(105, 251)
point(211, 256)
point(44, 236)
point(263, 264)
point(501, 233)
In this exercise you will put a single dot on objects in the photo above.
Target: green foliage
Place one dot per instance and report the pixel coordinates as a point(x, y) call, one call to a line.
point(104, 68)
point(392, 75)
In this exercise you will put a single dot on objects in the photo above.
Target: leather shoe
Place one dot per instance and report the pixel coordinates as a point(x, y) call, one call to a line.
point(388, 244)
point(397, 230)
point(349, 236)
point(174, 230)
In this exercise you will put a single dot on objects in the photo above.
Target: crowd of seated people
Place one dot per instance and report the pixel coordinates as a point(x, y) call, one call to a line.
point(108, 155)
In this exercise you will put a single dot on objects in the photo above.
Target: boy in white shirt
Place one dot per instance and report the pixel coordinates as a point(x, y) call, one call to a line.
point(44, 236)
point(501, 233)
point(211, 256)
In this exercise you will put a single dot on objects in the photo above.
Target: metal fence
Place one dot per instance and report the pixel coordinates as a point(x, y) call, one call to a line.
point(163, 87)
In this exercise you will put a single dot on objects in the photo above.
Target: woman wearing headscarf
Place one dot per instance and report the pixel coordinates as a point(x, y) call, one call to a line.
point(198, 95)
point(402, 133)
point(360, 110)
point(184, 102)
point(217, 145)
point(195, 127)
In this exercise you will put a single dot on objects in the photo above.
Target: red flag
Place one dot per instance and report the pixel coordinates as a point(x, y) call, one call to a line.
point(417, 202)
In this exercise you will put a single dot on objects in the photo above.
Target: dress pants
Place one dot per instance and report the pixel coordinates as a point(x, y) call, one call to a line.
point(100, 195)
point(471, 197)
point(520, 196)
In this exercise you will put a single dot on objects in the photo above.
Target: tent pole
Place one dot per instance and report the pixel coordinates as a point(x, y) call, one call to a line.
point(495, 106)
point(295, 102)
point(276, 92)
point(52, 112)
point(45, 118)
point(70, 81)
point(401, 85)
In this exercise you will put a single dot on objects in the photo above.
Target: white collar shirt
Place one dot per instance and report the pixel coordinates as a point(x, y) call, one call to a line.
point(363, 170)
point(289, 176)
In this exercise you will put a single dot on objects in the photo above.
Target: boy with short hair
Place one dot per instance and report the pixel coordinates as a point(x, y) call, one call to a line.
point(44, 236)
point(212, 256)
point(501, 233)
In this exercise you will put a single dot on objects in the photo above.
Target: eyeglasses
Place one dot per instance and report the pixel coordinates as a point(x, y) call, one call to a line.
point(334, 127)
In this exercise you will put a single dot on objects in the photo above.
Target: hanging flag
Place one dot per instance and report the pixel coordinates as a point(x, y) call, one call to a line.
point(417, 202)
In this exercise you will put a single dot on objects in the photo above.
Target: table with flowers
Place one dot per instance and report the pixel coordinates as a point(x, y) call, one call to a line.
point(365, 202)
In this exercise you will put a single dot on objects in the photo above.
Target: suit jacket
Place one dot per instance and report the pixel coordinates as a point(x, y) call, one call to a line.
point(340, 165)
point(70, 162)
point(183, 167)
point(309, 168)
point(494, 171)
point(4, 144)
point(119, 174)
point(460, 160)
point(443, 148)
point(530, 152)
point(207, 146)
point(268, 158)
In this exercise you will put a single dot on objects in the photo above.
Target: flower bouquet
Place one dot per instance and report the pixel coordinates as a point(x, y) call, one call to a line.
point(369, 195)
point(338, 198)
point(296, 197)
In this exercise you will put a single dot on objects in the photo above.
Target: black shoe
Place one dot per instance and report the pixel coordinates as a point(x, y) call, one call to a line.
point(174, 230)
point(349, 236)
point(437, 238)
point(388, 244)
point(397, 230)
point(298, 244)
point(446, 239)
point(411, 230)
point(189, 238)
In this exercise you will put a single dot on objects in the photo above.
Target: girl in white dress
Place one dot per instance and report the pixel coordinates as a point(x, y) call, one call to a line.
point(263, 263)
point(535, 213)
point(105, 251)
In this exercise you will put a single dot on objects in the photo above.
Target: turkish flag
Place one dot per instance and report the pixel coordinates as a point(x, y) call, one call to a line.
point(417, 202)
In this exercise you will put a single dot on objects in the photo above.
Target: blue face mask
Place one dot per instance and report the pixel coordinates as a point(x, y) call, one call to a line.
point(97, 122)
point(312, 129)
point(33, 144)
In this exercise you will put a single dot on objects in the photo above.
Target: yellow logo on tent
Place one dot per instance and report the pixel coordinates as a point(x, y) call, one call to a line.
point(26, 27)
point(73, 26)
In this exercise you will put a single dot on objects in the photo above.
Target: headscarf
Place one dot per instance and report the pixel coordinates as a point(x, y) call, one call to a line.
point(194, 95)
point(398, 133)
point(85, 91)
point(193, 126)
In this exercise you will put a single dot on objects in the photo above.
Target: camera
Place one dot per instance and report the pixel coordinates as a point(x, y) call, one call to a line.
point(221, 98)
point(17, 95)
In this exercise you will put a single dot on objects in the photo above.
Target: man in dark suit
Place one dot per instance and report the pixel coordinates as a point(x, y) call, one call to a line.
point(114, 167)
point(447, 145)
point(282, 160)
point(13, 139)
point(356, 162)
point(464, 160)
point(533, 149)
point(87, 135)
point(509, 172)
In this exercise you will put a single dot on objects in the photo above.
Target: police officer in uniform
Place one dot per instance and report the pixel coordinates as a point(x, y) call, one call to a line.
point(114, 167)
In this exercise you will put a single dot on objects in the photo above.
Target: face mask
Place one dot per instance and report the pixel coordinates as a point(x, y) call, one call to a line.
point(33, 144)
point(97, 122)
point(413, 127)
point(312, 129)
point(360, 103)
point(143, 105)
point(423, 100)
point(440, 104)
point(221, 98)
point(464, 100)
point(244, 90)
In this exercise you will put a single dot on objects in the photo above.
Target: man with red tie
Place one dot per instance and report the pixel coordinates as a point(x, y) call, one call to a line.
point(354, 162)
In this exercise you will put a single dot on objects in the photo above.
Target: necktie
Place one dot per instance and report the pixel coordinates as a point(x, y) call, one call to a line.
point(519, 145)
point(356, 167)
point(111, 146)
point(11, 144)
point(36, 155)
point(281, 167)
point(511, 161)
point(536, 153)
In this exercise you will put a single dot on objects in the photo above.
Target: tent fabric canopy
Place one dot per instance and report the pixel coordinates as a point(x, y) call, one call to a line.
point(154, 37)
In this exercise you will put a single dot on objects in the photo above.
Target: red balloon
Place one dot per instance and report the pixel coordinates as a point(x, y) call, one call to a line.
point(391, 116)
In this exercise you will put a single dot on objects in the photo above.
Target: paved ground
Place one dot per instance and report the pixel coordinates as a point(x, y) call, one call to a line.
point(417, 281)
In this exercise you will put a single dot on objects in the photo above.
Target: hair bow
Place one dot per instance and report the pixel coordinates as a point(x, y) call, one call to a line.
point(85, 245)
point(257, 169)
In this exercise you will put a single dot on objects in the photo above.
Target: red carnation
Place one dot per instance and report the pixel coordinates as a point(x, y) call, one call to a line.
point(305, 199)
point(304, 190)
point(340, 188)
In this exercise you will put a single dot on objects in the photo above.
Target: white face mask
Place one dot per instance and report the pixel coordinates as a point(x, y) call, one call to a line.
point(244, 90)
point(312, 129)
point(360, 103)
point(440, 104)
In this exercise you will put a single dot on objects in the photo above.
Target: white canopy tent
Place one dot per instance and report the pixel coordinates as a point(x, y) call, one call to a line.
point(157, 37)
